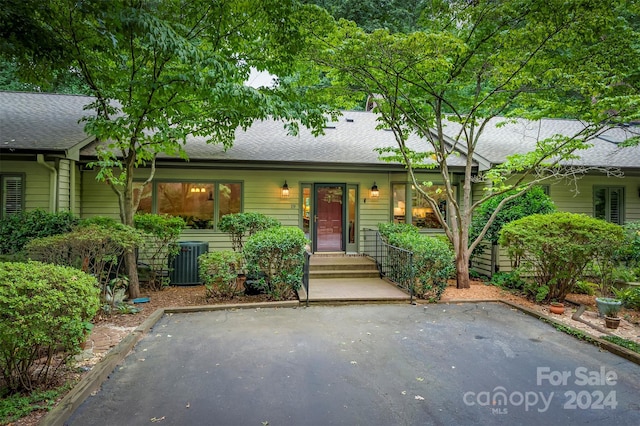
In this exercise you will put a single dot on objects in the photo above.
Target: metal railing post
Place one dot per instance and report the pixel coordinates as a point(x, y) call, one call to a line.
point(393, 262)
point(305, 274)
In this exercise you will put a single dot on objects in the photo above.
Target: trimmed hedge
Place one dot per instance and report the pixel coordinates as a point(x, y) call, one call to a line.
point(44, 310)
point(555, 249)
point(219, 271)
point(433, 263)
point(387, 229)
point(275, 257)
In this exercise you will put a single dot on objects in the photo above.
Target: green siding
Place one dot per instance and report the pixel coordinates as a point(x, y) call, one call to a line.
point(261, 194)
point(37, 180)
point(64, 185)
point(574, 196)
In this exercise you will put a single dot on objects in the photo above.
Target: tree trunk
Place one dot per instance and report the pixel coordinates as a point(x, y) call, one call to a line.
point(462, 269)
point(132, 272)
point(127, 210)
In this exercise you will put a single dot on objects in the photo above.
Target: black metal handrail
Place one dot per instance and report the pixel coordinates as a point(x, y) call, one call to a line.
point(305, 274)
point(394, 263)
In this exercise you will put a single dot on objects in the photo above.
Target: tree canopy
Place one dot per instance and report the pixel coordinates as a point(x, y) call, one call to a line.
point(472, 62)
point(394, 15)
point(162, 70)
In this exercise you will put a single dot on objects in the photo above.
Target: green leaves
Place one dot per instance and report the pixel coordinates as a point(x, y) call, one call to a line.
point(43, 309)
point(278, 254)
point(533, 201)
point(555, 248)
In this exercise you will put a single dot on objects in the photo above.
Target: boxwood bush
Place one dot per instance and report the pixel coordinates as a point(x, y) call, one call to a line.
point(433, 263)
point(276, 257)
point(44, 310)
point(387, 229)
point(219, 272)
point(555, 248)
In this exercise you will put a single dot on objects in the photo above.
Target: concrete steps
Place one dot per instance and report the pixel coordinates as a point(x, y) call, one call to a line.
point(342, 267)
point(337, 278)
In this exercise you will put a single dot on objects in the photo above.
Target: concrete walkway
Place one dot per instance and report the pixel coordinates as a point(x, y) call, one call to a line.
point(349, 279)
point(354, 290)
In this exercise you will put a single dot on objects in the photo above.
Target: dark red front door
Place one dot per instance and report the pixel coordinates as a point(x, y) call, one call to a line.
point(329, 217)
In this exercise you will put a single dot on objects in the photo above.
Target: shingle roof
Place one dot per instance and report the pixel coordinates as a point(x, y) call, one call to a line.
point(49, 122)
point(497, 142)
point(41, 121)
point(350, 140)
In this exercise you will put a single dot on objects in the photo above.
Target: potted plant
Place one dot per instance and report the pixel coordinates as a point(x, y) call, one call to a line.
point(606, 305)
point(556, 308)
point(611, 319)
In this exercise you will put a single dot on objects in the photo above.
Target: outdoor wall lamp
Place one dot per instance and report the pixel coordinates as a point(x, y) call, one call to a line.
point(375, 193)
point(285, 190)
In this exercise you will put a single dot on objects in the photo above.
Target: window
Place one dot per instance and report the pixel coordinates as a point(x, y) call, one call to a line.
point(200, 204)
point(418, 210)
point(608, 203)
point(11, 194)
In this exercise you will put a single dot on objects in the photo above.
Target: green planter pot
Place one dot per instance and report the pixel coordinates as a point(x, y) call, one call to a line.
point(608, 305)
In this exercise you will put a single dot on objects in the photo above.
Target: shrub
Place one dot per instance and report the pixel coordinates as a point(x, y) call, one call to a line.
point(555, 248)
point(630, 297)
point(160, 235)
point(43, 312)
point(585, 287)
point(388, 229)
point(533, 201)
point(433, 263)
point(629, 253)
point(18, 229)
point(508, 280)
point(278, 253)
point(91, 248)
point(242, 225)
point(219, 272)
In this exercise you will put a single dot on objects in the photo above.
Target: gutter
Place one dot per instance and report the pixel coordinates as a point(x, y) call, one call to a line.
point(53, 183)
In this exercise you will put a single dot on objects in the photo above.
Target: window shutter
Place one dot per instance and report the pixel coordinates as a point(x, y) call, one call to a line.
point(11, 195)
point(615, 205)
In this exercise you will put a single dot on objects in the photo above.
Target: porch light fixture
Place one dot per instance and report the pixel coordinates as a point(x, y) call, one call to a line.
point(375, 193)
point(285, 190)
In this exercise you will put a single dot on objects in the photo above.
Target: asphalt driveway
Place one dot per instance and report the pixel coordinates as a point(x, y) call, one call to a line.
point(364, 365)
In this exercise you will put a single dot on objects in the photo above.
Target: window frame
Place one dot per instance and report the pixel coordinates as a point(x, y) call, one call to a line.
point(608, 201)
point(23, 185)
point(216, 198)
point(408, 208)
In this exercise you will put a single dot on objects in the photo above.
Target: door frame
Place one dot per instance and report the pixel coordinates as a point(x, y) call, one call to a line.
point(343, 237)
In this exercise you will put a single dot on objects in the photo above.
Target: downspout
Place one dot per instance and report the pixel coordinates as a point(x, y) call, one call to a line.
point(53, 183)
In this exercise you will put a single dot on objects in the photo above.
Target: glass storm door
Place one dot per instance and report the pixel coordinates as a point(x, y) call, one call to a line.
point(329, 217)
